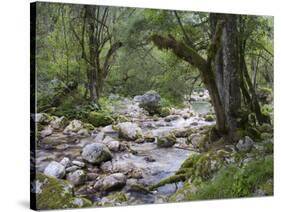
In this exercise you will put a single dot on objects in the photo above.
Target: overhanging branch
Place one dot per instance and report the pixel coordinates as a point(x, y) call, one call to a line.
point(181, 50)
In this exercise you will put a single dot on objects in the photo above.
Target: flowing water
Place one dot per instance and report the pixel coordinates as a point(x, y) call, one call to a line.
point(166, 161)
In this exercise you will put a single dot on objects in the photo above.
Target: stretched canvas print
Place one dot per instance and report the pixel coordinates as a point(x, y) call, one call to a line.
point(142, 106)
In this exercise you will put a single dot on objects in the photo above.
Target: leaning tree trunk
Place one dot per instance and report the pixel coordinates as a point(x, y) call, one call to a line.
point(204, 66)
point(220, 72)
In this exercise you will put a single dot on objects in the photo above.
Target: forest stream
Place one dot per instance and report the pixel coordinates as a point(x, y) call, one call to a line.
point(148, 162)
point(137, 106)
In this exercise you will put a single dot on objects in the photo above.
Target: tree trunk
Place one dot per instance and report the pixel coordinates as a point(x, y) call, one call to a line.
point(220, 73)
point(231, 74)
point(218, 60)
point(226, 68)
point(191, 56)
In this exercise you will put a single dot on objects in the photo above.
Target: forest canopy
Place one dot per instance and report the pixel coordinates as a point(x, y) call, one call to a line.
point(85, 53)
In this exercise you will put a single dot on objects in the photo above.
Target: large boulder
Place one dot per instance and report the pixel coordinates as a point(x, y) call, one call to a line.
point(150, 101)
point(73, 127)
point(43, 118)
point(245, 144)
point(129, 131)
point(77, 177)
point(137, 98)
point(111, 182)
point(52, 193)
point(166, 140)
point(96, 153)
point(55, 169)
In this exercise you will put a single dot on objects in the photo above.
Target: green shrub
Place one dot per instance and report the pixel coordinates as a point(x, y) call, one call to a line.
point(233, 181)
point(100, 118)
point(267, 109)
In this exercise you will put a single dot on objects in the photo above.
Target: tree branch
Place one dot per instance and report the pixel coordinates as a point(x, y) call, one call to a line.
point(181, 50)
point(186, 37)
point(108, 56)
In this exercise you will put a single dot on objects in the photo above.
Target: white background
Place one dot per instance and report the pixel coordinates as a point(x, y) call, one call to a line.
point(14, 102)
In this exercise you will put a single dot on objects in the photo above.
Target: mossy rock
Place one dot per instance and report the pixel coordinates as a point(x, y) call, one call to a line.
point(181, 133)
point(88, 126)
point(182, 193)
point(118, 197)
point(169, 180)
point(101, 118)
point(203, 166)
point(164, 111)
point(53, 193)
point(149, 137)
point(113, 199)
point(129, 131)
point(209, 118)
point(120, 119)
point(140, 189)
point(190, 161)
point(197, 168)
point(44, 118)
point(166, 141)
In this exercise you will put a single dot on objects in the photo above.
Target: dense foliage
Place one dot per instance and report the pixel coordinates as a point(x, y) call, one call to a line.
point(138, 65)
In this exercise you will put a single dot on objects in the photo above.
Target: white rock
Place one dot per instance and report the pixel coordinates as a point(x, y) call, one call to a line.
point(245, 144)
point(73, 127)
point(57, 122)
point(77, 177)
point(113, 145)
point(55, 169)
point(111, 182)
point(78, 163)
point(46, 132)
point(99, 137)
point(72, 168)
point(96, 153)
point(107, 139)
point(129, 130)
point(83, 132)
point(65, 162)
point(39, 117)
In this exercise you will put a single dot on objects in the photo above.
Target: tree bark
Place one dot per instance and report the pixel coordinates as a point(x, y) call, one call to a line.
point(231, 74)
